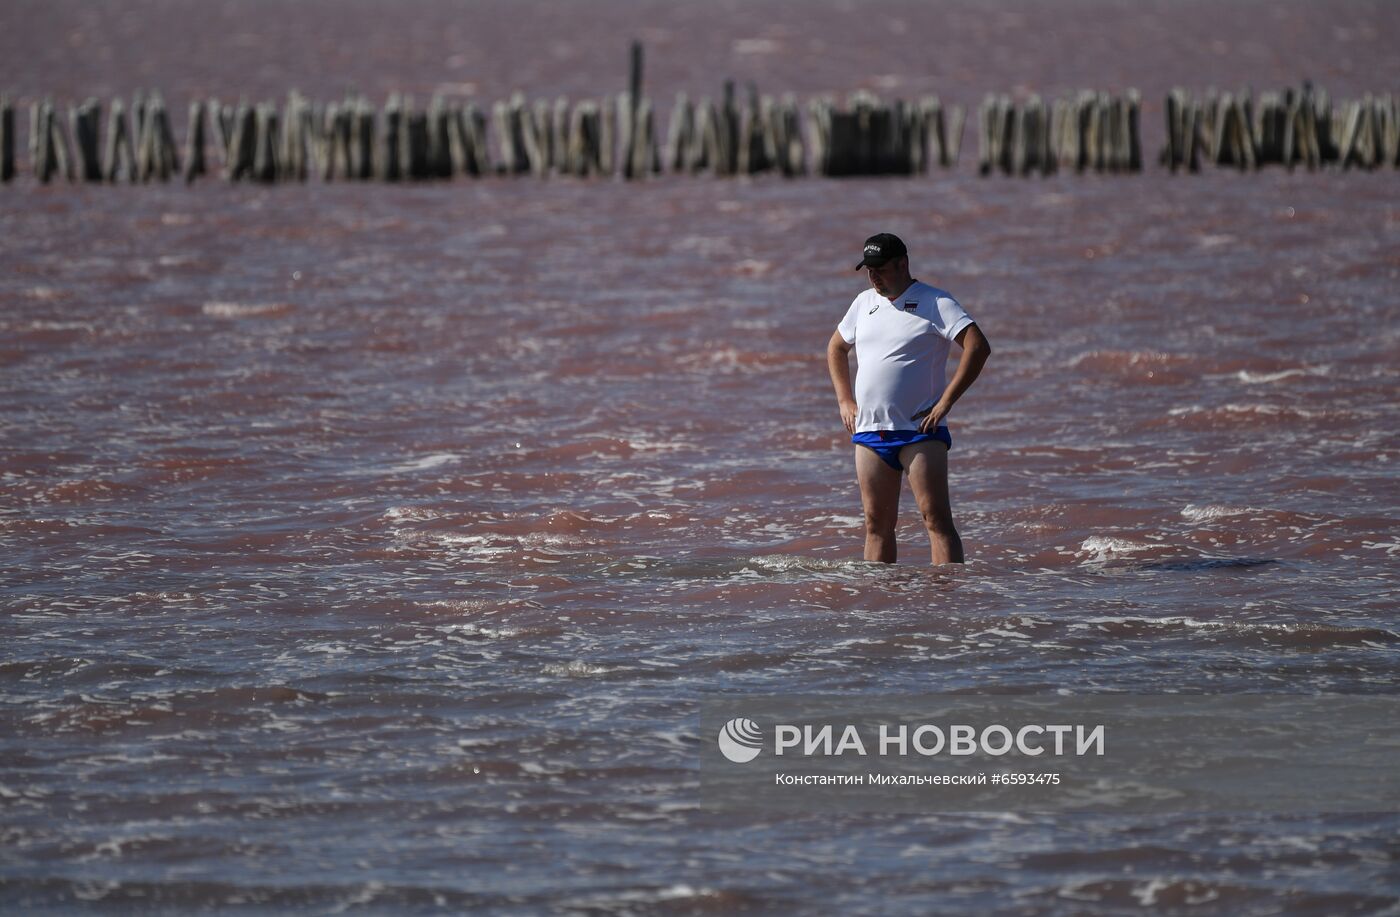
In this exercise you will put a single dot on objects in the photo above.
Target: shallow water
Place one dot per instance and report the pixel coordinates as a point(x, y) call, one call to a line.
point(375, 547)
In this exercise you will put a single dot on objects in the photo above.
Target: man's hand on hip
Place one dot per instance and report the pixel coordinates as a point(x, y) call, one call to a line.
point(848, 416)
point(935, 417)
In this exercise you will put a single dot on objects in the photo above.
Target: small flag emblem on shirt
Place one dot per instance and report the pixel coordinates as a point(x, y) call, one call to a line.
point(911, 306)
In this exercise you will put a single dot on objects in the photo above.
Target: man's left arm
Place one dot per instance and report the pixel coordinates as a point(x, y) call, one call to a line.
point(975, 351)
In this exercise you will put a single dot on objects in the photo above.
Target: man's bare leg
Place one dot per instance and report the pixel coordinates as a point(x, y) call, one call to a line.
point(927, 464)
point(879, 495)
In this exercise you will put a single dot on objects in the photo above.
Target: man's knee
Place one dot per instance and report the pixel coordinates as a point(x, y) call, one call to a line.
point(939, 522)
point(880, 525)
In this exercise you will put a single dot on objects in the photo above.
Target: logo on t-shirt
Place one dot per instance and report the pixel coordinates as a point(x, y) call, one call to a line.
point(910, 306)
point(873, 308)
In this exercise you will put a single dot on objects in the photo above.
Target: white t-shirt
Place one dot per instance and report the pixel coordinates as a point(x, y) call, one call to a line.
point(902, 351)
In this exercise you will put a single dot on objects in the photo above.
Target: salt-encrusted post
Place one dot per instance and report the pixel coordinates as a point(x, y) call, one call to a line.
point(118, 156)
point(242, 143)
point(510, 135)
point(543, 118)
point(536, 154)
point(680, 133)
point(63, 153)
point(955, 133)
point(475, 120)
point(40, 143)
point(291, 152)
point(165, 158)
point(439, 153)
point(584, 151)
point(559, 136)
point(222, 116)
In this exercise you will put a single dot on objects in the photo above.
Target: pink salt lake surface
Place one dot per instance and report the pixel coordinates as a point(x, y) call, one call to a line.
point(375, 547)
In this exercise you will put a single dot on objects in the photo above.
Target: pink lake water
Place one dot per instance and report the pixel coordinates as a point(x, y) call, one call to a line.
point(374, 548)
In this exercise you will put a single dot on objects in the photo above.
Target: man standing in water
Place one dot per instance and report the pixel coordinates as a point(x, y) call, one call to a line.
point(901, 329)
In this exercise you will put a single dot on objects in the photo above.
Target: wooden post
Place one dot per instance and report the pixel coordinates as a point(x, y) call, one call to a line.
point(986, 115)
point(439, 130)
point(1366, 146)
point(510, 131)
point(794, 150)
point(354, 137)
point(242, 143)
point(755, 145)
point(63, 152)
point(194, 144)
point(1006, 123)
point(84, 121)
point(707, 152)
point(457, 139)
point(415, 149)
point(1134, 139)
point(1171, 153)
point(1390, 134)
point(543, 120)
point(580, 158)
point(679, 133)
point(536, 162)
point(223, 130)
point(287, 158)
point(7, 139)
point(1116, 154)
point(167, 155)
point(41, 152)
point(323, 130)
point(955, 133)
point(118, 157)
point(141, 137)
point(629, 105)
point(265, 145)
point(728, 132)
point(389, 165)
point(475, 120)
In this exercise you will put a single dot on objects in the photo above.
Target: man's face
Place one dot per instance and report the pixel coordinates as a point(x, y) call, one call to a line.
point(889, 278)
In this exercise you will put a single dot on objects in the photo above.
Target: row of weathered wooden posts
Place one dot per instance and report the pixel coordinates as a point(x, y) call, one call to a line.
point(351, 141)
point(1285, 128)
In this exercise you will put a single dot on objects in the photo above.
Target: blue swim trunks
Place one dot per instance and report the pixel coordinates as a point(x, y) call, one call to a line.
point(887, 443)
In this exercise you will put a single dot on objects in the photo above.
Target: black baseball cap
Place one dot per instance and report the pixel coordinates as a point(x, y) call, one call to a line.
point(880, 248)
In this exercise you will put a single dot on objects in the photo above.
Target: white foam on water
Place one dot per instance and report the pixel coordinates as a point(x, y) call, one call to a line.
point(412, 513)
point(477, 630)
point(575, 668)
point(1253, 378)
point(1194, 513)
point(1104, 547)
point(242, 310)
point(422, 463)
point(1267, 410)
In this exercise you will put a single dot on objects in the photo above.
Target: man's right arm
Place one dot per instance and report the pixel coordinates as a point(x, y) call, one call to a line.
point(838, 363)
